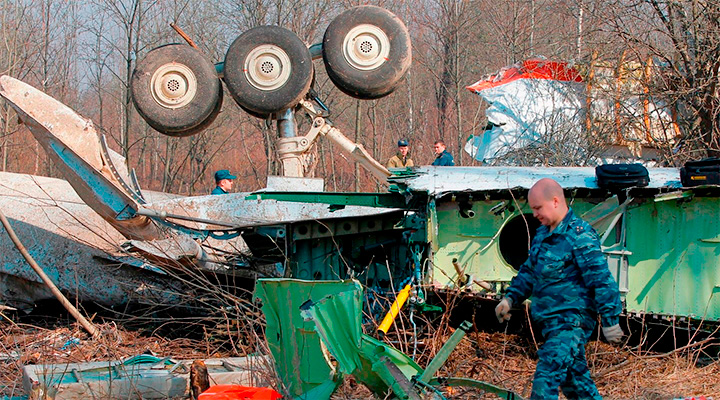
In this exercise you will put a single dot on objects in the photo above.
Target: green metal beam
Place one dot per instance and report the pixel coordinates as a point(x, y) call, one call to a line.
point(445, 352)
point(471, 383)
point(382, 200)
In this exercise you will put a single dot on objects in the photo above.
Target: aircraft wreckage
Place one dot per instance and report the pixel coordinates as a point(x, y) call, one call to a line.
point(452, 227)
point(466, 228)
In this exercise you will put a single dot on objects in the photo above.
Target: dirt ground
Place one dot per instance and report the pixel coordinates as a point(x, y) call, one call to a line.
point(501, 359)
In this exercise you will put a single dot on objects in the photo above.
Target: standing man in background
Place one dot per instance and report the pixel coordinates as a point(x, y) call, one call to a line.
point(402, 157)
point(568, 278)
point(442, 156)
point(223, 182)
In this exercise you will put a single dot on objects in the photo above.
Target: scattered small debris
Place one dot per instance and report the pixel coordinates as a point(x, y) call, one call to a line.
point(28, 346)
point(502, 359)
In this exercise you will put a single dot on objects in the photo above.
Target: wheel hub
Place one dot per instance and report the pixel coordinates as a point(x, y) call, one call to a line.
point(366, 47)
point(267, 67)
point(173, 85)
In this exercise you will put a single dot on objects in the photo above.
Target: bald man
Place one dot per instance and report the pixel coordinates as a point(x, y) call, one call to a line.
point(568, 278)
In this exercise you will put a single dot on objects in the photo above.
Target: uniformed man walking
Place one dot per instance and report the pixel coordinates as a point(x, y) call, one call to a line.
point(569, 281)
point(402, 157)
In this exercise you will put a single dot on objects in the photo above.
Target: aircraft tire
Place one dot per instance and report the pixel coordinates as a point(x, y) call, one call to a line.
point(268, 69)
point(263, 116)
point(367, 51)
point(176, 90)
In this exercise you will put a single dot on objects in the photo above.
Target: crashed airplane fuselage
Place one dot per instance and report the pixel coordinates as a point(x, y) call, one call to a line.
point(170, 238)
point(471, 227)
point(76, 247)
point(662, 241)
point(447, 227)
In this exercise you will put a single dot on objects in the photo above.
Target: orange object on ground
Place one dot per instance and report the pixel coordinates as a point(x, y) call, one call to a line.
point(237, 392)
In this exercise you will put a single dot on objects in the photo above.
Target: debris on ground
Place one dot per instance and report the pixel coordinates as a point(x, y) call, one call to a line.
point(27, 345)
point(502, 359)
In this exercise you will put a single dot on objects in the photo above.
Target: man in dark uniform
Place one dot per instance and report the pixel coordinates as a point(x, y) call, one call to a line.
point(402, 158)
point(223, 182)
point(442, 156)
point(568, 278)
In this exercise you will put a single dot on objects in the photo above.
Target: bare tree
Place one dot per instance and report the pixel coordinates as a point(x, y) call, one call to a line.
point(448, 53)
point(303, 17)
point(122, 28)
point(14, 56)
point(39, 47)
point(58, 46)
point(683, 36)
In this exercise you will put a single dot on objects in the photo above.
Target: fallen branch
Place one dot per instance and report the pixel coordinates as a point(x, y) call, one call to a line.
point(46, 279)
point(648, 357)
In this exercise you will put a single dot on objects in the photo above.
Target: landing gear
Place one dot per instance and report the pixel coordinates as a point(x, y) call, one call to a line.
point(176, 90)
point(268, 69)
point(367, 52)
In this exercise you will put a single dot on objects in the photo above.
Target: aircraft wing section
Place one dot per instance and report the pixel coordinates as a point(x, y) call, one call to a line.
point(73, 144)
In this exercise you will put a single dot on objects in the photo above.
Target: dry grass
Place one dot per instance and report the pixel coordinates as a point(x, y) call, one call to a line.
point(25, 344)
point(502, 359)
point(509, 361)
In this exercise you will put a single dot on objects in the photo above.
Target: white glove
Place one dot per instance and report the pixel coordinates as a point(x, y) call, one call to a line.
point(613, 334)
point(502, 311)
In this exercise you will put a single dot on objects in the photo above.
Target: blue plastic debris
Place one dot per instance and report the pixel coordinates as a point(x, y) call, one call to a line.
point(71, 343)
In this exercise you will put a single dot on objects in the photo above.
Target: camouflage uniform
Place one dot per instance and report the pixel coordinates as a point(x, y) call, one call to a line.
point(569, 280)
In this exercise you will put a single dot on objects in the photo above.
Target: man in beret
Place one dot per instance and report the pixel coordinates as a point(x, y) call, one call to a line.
point(402, 158)
point(223, 182)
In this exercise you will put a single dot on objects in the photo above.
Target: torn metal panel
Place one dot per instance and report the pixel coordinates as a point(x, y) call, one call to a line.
point(673, 257)
point(242, 210)
point(256, 226)
point(332, 310)
point(138, 377)
point(338, 321)
point(300, 361)
point(75, 246)
point(75, 147)
point(437, 181)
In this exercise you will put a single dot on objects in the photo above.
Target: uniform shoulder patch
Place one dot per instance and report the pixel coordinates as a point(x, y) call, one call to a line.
point(578, 226)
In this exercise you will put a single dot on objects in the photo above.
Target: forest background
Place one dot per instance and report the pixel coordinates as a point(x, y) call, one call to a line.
point(83, 53)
